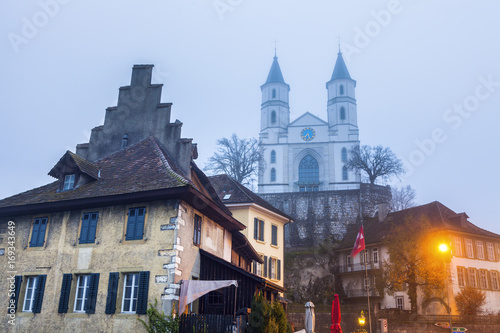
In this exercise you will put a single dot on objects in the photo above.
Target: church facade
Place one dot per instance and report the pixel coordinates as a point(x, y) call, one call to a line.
point(308, 154)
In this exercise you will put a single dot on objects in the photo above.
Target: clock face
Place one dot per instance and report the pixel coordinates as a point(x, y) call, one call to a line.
point(307, 134)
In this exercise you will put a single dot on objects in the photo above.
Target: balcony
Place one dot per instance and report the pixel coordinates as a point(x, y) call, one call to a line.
point(358, 267)
point(352, 293)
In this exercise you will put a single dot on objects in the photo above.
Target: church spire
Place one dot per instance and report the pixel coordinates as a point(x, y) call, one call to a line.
point(275, 75)
point(340, 71)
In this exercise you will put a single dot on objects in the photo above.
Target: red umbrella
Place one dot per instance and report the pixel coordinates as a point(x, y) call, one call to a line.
point(335, 328)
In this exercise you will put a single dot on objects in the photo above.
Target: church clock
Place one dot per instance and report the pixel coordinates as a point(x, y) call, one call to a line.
point(307, 134)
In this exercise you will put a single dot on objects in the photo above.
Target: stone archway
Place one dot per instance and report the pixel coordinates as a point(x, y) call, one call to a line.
point(435, 306)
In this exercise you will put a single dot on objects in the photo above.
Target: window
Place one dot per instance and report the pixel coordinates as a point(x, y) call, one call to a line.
point(135, 223)
point(494, 280)
point(273, 117)
point(348, 260)
point(344, 154)
point(469, 248)
point(84, 291)
point(400, 302)
point(33, 296)
point(135, 292)
point(258, 229)
point(273, 156)
point(69, 182)
point(461, 276)
point(375, 255)
point(89, 227)
point(480, 250)
point(272, 268)
point(273, 174)
point(341, 89)
point(457, 246)
point(345, 173)
point(491, 251)
point(472, 278)
point(483, 279)
point(257, 267)
point(38, 232)
point(308, 174)
point(274, 93)
point(274, 235)
point(130, 290)
point(197, 230)
point(342, 113)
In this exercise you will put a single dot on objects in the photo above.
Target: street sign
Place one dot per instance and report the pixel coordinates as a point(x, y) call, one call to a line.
point(443, 325)
point(459, 329)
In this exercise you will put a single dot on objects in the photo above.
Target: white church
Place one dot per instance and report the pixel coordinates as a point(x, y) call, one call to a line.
point(308, 154)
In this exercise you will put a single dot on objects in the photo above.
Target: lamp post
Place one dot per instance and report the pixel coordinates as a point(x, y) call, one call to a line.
point(361, 319)
point(445, 249)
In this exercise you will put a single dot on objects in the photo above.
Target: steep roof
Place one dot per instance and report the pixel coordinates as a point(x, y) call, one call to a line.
point(230, 192)
point(275, 72)
point(439, 216)
point(340, 71)
point(82, 164)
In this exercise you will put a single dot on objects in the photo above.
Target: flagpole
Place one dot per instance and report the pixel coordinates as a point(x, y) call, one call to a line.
point(368, 292)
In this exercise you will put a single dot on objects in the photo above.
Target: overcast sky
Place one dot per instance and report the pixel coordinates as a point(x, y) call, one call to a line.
point(428, 79)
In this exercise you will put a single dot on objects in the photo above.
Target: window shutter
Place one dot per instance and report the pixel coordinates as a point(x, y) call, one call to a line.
point(139, 223)
point(40, 287)
point(254, 267)
point(65, 290)
point(270, 266)
point(85, 229)
point(279, 270)
point(131, 224)
point(255, 228)
point(35, 232)
point(17, 288)
point(41, 232)
point(265, 266)
point(92, 293)
point(92, 227)
point(142, 294)
point(261, 230)
point(112, 290)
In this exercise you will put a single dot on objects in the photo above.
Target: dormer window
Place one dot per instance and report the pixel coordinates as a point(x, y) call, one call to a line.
point(69, 182)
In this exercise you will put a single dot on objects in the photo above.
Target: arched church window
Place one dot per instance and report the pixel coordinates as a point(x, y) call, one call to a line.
point(308, 174)
point(345, 175)
point(344, 155)
point(274, 93)
point(273, 174)
point(341, 89)
point(273, 156)
point(342, 113)
point(273, 117)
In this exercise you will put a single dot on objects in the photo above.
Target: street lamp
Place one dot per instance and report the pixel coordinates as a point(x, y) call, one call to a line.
point(361, 319)
point(445, 249)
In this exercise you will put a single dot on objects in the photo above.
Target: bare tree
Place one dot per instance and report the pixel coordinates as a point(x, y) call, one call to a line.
point(375, 162)
point(237, 158)
point(403, 198)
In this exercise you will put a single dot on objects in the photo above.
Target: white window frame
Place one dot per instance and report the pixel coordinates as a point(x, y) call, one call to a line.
point(83, 282)
point(69, 182)
point(473, 277)
point(461, 276)
point(457, 242)
point(398, 300)
point(491, 251)
point(494, 280)
point(375, 255)
point(133, 292)
point(480, 249)
point(274, 264)
point(31, 296)
point(483, 279)
point(469, 248)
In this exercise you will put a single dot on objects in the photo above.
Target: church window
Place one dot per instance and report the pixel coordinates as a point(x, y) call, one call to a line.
point(273, 156)
point(345, 175)
point(342, 113)
point(273, 117)
point(341, 90)
point(308, 174)
point(273, 174)
point(274, 93)
point(344, 155)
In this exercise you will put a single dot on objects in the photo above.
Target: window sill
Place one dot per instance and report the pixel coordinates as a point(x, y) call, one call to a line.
point(80, 315)
point(83, 245)
point(126, 316)
point(25, 314)
point(260, 242)
point(134, 241)
point(275, 246)
point(35, 248)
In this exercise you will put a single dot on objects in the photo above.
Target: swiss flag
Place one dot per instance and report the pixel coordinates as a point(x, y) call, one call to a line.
point(359, 245)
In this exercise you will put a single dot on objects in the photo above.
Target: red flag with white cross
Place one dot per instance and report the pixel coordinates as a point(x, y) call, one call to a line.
point(359, 245)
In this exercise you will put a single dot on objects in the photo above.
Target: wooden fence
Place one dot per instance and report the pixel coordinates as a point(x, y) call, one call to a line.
point(206, 323)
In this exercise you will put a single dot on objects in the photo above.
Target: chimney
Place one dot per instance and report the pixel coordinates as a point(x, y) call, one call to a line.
point(382, 211)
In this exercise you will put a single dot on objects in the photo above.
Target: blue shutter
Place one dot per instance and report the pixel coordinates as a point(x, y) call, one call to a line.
point(41, 232)
point(65, 291)
point(270, 266)
point(40, 287)
point(139, 223)
point(92, 227)
point(85, 229)
point(261, 230)
point(255, 228)
point(265, 266)
point(35, 232)
point(142, 295)
point(112, 290)
point(131, 224)
point(17, 288)
point(279, 270)
point(92, 293)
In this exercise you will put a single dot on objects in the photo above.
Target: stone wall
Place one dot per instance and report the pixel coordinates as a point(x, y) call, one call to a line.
point(321, 215)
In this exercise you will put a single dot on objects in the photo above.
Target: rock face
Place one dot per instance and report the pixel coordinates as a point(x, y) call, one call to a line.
point(323, 215)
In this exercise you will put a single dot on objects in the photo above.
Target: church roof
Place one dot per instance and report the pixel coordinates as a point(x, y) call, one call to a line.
point(275, 75)
point(308, 119)
point(340, 71)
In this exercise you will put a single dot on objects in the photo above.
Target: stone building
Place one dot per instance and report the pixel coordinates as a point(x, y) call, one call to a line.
point(127, 218)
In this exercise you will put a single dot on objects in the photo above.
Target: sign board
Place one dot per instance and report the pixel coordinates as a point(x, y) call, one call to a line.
point(459, 329)
point(383, 325)
point(443, 325)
